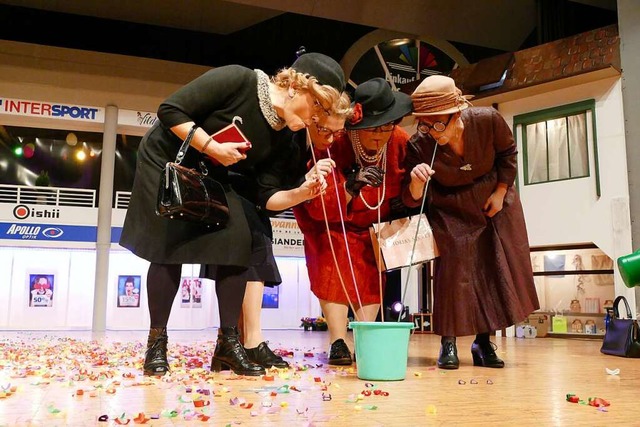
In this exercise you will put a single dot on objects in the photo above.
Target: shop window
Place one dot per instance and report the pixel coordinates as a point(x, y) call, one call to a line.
point(556, 142)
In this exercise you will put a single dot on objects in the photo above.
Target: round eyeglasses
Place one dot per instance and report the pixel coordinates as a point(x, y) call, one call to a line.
point(424, 127)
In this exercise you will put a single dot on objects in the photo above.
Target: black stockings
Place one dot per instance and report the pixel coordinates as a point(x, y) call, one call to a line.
point(163, 281)
point(482, 338)
point(230, 287)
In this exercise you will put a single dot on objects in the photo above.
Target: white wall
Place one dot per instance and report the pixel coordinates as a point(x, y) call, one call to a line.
point(570, 211)
point(74, 271)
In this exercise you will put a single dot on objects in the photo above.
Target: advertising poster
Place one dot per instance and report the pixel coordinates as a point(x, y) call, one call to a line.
point(287, 237)
point(196, 292)
point(129, 291)
point(270, 297)
point(185, 292)
point(41, 290)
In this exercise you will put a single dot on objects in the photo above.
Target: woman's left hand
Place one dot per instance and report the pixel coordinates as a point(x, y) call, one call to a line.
point(322, 168)
point(494, 203)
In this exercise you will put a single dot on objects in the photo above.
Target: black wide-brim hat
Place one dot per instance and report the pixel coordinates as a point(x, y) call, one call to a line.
point(380, 105)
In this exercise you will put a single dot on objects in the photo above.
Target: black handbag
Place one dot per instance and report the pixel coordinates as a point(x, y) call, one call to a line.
point(621, 338)
point(190, 195)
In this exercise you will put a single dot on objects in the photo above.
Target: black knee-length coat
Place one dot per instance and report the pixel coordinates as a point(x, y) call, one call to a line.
point(211, 101)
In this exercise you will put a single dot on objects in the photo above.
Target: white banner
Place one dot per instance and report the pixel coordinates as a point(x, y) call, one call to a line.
point(22, 107)
point(287, 237)
point(81, 113)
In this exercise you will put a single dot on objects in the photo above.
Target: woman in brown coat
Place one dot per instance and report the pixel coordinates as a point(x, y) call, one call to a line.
point(483, 279)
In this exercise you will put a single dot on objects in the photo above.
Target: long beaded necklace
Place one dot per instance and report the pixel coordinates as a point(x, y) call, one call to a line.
point(360, 150)
point(264, 100)
point(380, 158)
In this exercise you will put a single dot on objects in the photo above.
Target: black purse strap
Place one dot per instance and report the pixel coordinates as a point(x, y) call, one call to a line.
point(626, 304)
point(185, 145)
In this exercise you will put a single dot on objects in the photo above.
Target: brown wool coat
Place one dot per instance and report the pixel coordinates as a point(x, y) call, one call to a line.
point(483, 278)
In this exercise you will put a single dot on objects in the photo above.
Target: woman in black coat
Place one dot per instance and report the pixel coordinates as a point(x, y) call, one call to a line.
point(241, 251)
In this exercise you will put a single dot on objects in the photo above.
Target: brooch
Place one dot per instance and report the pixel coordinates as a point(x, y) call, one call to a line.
point(466, 167)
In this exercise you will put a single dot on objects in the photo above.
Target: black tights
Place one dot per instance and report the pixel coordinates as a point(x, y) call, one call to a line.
point(482, 338)
point(163, 282)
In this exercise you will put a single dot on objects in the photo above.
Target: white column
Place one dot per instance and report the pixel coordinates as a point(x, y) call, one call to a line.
point(103, 244)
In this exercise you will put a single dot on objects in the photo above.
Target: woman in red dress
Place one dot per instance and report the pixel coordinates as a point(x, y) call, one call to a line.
point(367, 177)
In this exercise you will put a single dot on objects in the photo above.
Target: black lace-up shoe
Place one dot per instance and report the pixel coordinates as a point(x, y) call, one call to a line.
point(484, 354)
point(340, 353)
point(448, 358)
point(263, 356)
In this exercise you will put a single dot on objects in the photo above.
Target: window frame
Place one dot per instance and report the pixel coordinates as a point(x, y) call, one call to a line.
point(587, 106)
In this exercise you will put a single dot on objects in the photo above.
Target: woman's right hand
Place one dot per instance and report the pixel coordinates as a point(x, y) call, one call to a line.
point(420, 174)
point(228, 153)
point(313, 187)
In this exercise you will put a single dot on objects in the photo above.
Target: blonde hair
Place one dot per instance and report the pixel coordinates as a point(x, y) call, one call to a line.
point(337, 103)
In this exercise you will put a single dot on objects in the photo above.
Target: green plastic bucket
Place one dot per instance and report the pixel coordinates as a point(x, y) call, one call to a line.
point(381, 349)
point(629, 267)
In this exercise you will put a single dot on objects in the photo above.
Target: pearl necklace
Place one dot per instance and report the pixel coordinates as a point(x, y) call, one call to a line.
point(361, 151)
point(264, 99)
point(380, 158)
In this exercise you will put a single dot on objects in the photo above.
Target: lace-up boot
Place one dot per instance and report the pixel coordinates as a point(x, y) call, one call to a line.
point(230, 354)
point(155, 358)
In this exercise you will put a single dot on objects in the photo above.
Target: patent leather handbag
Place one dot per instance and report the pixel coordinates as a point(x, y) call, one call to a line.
point(190, 195)
point(621, 338)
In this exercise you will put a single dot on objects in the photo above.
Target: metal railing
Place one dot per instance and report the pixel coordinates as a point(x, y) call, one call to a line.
point(122, 199)
point(53, 196)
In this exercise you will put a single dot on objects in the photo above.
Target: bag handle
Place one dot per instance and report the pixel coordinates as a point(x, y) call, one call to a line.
point(626, 304)
point(185, 146)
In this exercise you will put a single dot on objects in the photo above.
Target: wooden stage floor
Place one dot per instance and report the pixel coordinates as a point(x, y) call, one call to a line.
point(72, 378)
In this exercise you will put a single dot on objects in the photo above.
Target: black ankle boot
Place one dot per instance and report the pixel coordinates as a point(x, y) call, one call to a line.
point(448, 358)
point(484, 354)
point(230, 354)
point(155, 358)
point(263, 356)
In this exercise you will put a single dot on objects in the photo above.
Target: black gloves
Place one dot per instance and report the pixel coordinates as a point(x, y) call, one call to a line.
point(400, 210)
point(368, 175)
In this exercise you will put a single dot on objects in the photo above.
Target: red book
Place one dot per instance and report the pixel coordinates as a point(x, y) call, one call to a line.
point(231, 133)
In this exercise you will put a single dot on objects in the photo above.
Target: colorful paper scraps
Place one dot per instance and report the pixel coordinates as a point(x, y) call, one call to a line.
point(598, 402)
point(573, 398)
point(52, 409)
point(140, 419)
